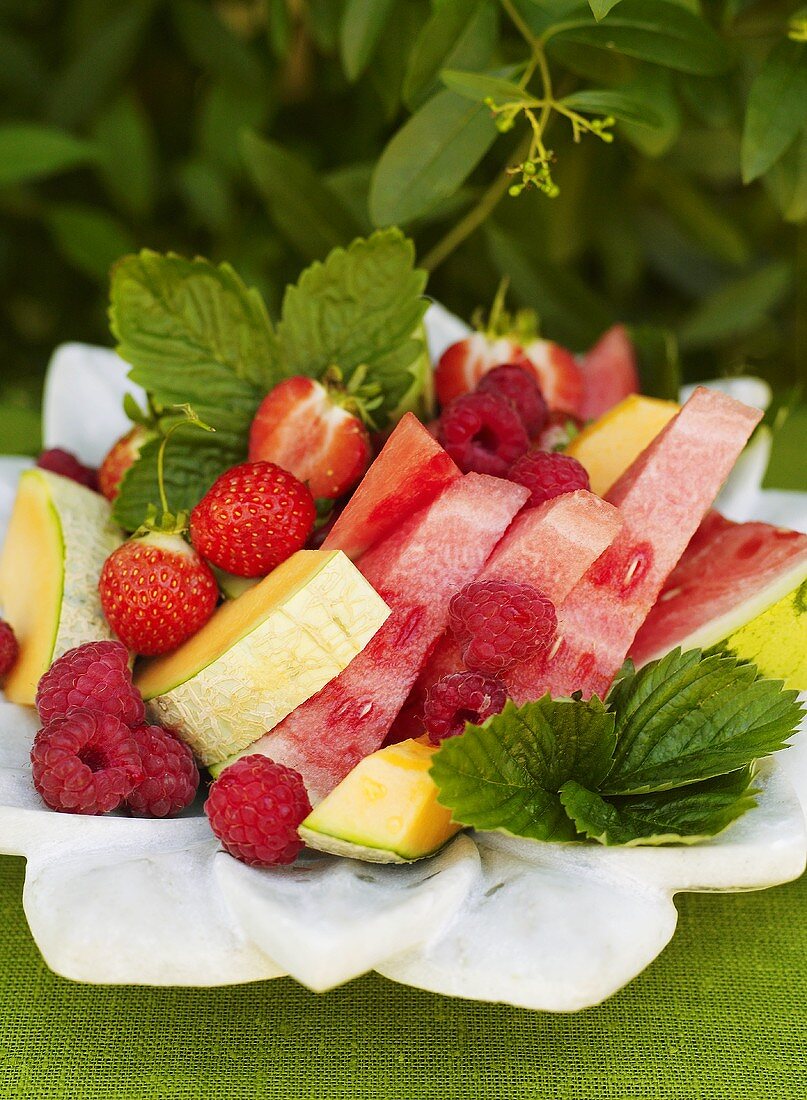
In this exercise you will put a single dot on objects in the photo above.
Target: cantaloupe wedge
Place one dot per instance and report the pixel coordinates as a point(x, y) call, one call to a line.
point(59, 536)
point(263, 654)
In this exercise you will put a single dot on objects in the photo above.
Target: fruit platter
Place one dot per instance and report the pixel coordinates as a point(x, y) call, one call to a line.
point(362, 640)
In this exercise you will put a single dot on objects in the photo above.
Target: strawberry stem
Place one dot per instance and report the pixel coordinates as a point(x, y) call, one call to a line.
point(189, 417)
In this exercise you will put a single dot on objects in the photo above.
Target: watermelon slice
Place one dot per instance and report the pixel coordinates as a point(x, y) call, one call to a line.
point(416, 571)
point(730, 575)
point(609, 373)
point(410, 471)
point(662, 498)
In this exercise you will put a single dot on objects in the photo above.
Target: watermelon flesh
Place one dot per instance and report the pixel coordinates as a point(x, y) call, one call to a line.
point(662, 498)
point(411, 469)
point(416, 571)
point(609, 373)
point(729, 574)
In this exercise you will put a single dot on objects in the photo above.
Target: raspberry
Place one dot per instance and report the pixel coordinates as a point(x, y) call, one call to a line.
point(94, 676)
point(255, 807)
point(9, 649)
point(59, 461)
point(171, 776)
point(483, 433)
point(500, 624)
point(459, 698)
point(513, 383)
point(548, 474)
point(85, 764)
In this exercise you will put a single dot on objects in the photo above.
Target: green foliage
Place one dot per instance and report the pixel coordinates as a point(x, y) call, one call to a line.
point(671, 135)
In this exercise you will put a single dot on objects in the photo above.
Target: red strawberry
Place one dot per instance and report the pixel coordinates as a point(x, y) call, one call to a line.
point(558, 374)
point(156, 592)
point(303, 427)
point(122, 455)
point(463, 364)
point(252, 518)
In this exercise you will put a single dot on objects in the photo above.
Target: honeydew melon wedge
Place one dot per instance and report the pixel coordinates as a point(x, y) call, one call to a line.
point(58, 538)
point(384, 811)
point(263, 654)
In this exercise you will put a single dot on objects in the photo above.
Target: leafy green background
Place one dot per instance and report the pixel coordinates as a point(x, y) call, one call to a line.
point(264, 132)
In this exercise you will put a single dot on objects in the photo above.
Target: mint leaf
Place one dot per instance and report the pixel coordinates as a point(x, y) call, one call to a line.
point(682, 816)
point(685, 718)
point(359, 308)
point(506, 774)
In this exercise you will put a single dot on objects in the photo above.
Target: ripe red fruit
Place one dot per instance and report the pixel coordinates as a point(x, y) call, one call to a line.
point(171, 778)
point(59, 461)
point(459, 698)
point(255, 808)
point(462, 365)
point(94, 676)
point(156, 592)
point(302, 427)
point(483, 434)
point(87, 763)
point(609, 372)
point(548, 474)
point(9, 649)
point(500, 624)
point(122, 455)
point(516, 383)
point(558, 375)
point(252, 518)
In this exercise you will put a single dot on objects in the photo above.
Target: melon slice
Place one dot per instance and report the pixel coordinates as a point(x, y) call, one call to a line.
point(609, 372)
point(384, 811)
point(662, 498)
point(59, 537)
point(731, 576)
point(410, 471)
point(608, 446)
point(417, 571)
point(263, 654)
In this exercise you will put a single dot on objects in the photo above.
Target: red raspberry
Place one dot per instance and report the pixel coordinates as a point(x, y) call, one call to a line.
point(171, 776)
point(94, 676)
point(59, 461)
point(9, 649)
point(255, 807)
point(483, 433)
point(513, 383)
point(459, 698)
point(85, 764)
point(548, 474)
point(501, 623)
point(252, 518)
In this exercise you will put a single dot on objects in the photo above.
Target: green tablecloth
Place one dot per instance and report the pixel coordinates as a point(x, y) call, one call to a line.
point(722, 1015)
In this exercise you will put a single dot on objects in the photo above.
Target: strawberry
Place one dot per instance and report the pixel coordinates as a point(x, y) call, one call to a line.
point(252, 518)
point(156, 592)
point(310, 430)
point(558, 374)
point(463, 364)
point(123, 454)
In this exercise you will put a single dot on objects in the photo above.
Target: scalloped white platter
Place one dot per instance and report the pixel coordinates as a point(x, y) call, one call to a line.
point(543, 926)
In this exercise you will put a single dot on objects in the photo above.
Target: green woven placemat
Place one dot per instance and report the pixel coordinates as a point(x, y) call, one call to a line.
point(722, 1015)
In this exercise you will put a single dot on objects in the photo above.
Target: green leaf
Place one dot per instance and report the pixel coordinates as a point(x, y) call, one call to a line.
point(29, 152)
point(214, 47)
point(613, 101)
point(506, 774)
point(206, 191)
point(460, 34)
point(307, 212)
point(226, 112)
point(358, 309)
point(657, 31)
point(360, 29)
point(737, 307)
point(786, 182)
point(128, 155)
point(704, 218)
point(685, 718)
point(658, 360)
point(682, 816)
point(429, 158)
point(479, 86)
point(89, 238)
point(600, 8)
point(777, 108)
point(654, 88)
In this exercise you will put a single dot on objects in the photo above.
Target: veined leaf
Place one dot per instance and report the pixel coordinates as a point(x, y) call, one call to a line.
point(460, 34)
point(777, 108)
point(737, 307)
point(613, 101)
point(361, 26)
point(30, 152)
point(481, 86)
point(429, 158)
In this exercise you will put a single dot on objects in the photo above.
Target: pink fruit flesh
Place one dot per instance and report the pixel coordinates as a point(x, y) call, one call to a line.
point(662, 498)
point(725, 564)
point(416, 570)
point(410, 471)
point(609, 373)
